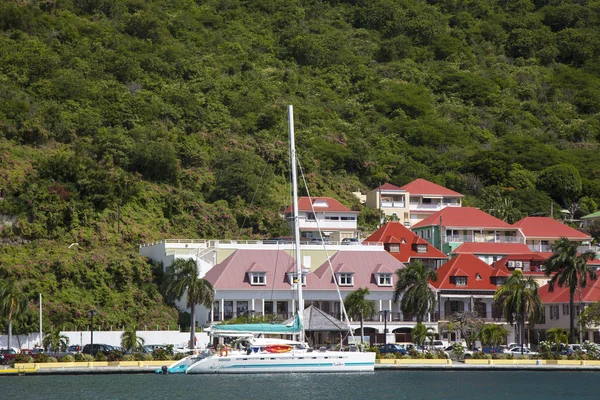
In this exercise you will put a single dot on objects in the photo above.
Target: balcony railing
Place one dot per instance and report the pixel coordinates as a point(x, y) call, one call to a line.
point(483, 238)
point(280, 316)
point(393, 204)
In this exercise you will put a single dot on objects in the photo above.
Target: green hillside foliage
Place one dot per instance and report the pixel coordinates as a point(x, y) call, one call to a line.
point(129, 121)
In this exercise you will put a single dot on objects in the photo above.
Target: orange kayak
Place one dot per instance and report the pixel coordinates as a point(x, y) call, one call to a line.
point(278, 348)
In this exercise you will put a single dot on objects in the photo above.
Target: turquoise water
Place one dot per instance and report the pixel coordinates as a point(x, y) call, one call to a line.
point(439, 385)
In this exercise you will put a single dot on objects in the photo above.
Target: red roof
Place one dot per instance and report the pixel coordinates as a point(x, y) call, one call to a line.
point(491, 248)
point(304, 204)
point(466, 265)
point(424, 187)
point(464, 217)
point(546, 227)
point(396, 233)
point(364, 264)
point(389, 186)
point(589, 294)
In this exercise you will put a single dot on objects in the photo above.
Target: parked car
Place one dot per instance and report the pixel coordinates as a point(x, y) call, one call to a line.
point(319, 241)
point(8, 355)
point(391, 348)
point(437, 345)
point(97, 348)
point(576, 348)
point(516, 351)
point(464, 356)
point(75, 348)
point(351, 241)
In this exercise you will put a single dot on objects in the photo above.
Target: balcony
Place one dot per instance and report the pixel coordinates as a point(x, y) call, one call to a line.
point(306, 224)
point(392, 204)
point(280, 316)
point(482, 238)
point(431, 206)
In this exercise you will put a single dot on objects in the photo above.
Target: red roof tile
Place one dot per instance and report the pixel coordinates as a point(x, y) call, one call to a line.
point(304, 204)
point(591, 293)
point(469, 266)
point(424, 187)
point(545, 227)
point(464, 217)
point(491, 248)
point(396, 233)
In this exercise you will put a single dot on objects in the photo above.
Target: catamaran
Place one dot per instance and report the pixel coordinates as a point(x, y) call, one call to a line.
point(255, 353)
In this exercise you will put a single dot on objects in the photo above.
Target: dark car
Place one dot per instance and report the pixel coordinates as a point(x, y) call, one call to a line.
point(7, 355)
point(97, 348)
point(391, 348)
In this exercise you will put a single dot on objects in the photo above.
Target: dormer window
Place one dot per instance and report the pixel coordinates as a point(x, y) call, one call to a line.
point(421, 248)
point(460, 280)
point(258, 278)
point(477, 277)
point(293, 278)
point(500, 280)
point(345, 279)
point(394, 248)
point(384, 279)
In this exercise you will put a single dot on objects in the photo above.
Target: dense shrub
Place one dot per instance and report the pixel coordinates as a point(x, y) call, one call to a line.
point(67, 358)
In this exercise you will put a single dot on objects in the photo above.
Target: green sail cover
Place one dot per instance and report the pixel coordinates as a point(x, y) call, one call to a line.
point(259, 328)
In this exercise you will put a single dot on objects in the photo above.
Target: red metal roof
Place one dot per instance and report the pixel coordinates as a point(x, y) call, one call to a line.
point(464, 217)
point(396, 233)
point(304, 204)
point(364, 264)
point(466, 265)
point(389, 186)
point(591, 293)
point(491, 248)
point(545, 227)
point(424, 187)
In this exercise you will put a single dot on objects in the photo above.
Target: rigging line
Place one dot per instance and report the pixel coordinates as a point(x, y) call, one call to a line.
point(337, 287)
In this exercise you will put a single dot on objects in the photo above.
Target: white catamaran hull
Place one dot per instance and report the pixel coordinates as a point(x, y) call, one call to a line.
point(330, 361)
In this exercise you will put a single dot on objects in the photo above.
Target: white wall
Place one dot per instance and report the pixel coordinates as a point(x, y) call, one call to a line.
point(179, 339)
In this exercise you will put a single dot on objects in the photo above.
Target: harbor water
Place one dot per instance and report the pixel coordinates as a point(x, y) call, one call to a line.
point(438, 385)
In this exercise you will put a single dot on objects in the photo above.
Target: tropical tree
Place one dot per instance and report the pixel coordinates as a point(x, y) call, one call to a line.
point(468, 323)
point(520, 301)
point(130, 341)
point(55, 341)
point(492, 334)
point(412, 287)
point(569, 269)
point(358, 306)
point(13, 303)
point(557, 336)
point(420, 333)
point(183, 277)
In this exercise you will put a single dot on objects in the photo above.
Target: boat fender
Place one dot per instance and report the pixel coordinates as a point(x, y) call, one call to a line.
point(224, 353)
point(165, 369)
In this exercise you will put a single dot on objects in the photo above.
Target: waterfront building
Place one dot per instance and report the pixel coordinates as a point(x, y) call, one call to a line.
point(406, 246)
point(413, 202)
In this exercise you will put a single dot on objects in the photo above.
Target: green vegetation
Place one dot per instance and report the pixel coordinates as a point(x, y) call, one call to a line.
point(129, 121)
point(570, 270)
point(358, 306)
point(413, 291)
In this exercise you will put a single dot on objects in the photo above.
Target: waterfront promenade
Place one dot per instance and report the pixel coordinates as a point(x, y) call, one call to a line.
point(140, 367)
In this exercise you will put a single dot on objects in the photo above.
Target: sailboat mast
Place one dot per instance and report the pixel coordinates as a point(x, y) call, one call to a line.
point(300, 310)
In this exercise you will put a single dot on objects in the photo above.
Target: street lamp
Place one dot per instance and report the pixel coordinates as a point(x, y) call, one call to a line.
point(92, 313)
point(385, 315)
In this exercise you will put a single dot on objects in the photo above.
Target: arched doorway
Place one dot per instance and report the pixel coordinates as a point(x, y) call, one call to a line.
point(403, 334)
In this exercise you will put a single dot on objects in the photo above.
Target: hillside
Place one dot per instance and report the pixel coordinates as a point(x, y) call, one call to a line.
point(125, 121)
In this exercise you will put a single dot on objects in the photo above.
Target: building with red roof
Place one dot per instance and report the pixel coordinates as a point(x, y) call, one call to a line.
point(557, 310)
point(541, 232)
point(335, 220)
point(467, 283)
point(412, 202)
point(450, 227)
point(405, 246)
point(490, 252)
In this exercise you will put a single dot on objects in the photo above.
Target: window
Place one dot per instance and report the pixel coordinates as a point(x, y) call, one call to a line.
point(258, 278)
point(384, 279)
point(345, 279)
point(310, 217)
point(428, 234)
point(477, 277)
point(554, 312)
point(500, 280)
point(460, 280)
point(292, 278)
point(332, 218)
point(421, 248)
point(565, 309)
point(348, 218)
point(394, 248)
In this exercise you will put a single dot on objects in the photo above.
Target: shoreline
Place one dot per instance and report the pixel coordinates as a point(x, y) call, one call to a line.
point(151, 368)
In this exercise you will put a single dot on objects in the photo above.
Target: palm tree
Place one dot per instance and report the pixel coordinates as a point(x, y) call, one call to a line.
point(55, 341)
point(357, 305)
point(412, 286)
point(520, 300)
point(130, 341)
point(492, 335)
point(557, 336)
point(183, 277)
point(420, 333)
point(13, 302)
point(571, 270)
